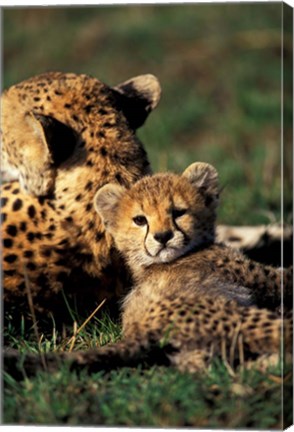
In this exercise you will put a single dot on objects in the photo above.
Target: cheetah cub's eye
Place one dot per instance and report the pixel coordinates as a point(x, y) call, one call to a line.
point(140, 220)
point(177, 213)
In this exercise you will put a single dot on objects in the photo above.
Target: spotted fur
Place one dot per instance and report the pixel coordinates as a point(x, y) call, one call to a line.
point(65, 136)
point(192, 298)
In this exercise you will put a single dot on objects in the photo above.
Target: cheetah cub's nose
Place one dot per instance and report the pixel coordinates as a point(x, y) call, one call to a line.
point(164, 236)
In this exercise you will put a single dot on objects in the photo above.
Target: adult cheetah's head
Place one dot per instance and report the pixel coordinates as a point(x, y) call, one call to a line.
point(44, 120)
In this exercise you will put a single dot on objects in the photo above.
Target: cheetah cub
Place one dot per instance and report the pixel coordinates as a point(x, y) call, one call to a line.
point(164, 227)
point(191, 298)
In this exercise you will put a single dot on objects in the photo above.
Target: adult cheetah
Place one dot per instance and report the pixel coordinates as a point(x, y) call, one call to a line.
point(66, 135)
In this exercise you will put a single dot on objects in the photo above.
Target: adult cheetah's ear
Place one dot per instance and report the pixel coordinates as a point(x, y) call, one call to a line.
point(106, 201)
point(205, 178)
point(36, 174)
point(60, 138)
point(137, 97)
point(54, 142)
point(44, 143)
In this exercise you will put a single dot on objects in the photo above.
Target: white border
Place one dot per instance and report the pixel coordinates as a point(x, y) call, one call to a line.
point(8, 3)
point(19, 3)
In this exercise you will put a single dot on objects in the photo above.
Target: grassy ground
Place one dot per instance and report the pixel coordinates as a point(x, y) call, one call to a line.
point(134, 397)
point(154, 397)
point(220, 70)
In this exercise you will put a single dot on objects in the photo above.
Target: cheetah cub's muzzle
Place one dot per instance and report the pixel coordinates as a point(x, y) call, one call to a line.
point(168, 242)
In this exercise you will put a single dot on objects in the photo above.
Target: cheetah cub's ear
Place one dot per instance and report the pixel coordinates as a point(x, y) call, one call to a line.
point(106, 201)
point(205, 178)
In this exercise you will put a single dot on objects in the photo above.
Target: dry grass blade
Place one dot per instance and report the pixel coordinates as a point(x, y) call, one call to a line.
point(234, 343)
point(224, 357)
point(241, 351)
point(32, 310)
point(72, 340)
point(74, 336)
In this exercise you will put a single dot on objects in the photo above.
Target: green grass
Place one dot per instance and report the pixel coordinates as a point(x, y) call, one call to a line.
point(155, 397)
point(100, 330)
point(220, 71)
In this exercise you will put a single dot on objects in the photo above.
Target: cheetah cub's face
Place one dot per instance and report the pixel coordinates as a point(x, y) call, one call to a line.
point(162, 216)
